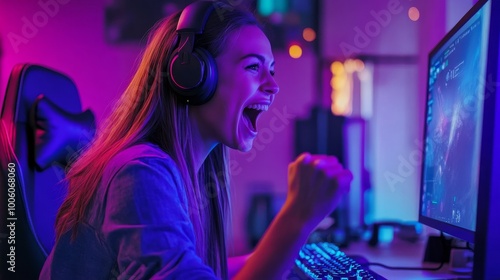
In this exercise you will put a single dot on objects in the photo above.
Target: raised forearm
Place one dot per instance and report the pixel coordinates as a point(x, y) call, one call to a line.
point(278, 248)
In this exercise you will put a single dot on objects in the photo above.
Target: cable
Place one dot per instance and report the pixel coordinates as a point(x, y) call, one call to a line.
point(406, 268)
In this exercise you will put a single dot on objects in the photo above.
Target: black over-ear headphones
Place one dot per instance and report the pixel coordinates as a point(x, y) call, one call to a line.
point(192, 72)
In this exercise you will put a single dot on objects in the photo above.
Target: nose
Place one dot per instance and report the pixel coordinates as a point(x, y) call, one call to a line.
point(270, 86)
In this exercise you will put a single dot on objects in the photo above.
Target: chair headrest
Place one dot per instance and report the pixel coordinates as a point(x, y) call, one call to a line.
point(59, 135)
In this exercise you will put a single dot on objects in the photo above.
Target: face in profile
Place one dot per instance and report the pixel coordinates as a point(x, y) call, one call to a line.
point(245, 89)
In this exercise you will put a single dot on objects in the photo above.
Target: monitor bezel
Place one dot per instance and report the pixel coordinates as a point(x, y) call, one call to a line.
point(456, 231)
point(487, 245)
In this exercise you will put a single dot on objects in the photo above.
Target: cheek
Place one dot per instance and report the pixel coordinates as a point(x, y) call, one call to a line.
point(222, 113)
point(229, 98)
point(224, 105)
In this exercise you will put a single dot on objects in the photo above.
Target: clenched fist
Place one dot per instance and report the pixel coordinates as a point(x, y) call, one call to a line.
point(316, 184)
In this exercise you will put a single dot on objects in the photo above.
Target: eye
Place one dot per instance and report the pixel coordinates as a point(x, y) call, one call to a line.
point(254, 67)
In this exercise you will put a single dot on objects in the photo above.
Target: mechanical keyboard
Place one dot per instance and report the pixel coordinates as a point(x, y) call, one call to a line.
point(325, 260)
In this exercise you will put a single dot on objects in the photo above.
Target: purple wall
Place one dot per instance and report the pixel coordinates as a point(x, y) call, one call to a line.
point(377, 27)
point(67, 36)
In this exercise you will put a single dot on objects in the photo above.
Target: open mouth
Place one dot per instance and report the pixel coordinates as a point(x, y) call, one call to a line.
point(252, 113)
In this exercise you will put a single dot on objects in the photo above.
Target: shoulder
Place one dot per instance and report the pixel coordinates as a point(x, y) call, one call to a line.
point(144, 152)
point(141, 159)
point(142, 173)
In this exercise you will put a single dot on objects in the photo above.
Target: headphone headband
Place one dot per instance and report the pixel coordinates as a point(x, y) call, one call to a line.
point(194, 17)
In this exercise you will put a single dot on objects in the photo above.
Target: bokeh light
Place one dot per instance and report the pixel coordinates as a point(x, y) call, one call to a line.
point(309, 34)
point(413, 13)
point(295, 51)
point(337, 67)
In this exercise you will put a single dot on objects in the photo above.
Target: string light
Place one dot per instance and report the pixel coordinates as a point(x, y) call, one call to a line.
point(340, 89)
point(341, 83)
point(309, 34)
point(413, 13)
point(295, 51)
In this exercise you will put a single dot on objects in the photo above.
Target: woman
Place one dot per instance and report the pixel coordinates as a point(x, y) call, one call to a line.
point(149, 198)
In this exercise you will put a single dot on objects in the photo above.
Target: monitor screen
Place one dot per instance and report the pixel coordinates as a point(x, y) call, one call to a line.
point(453, 126)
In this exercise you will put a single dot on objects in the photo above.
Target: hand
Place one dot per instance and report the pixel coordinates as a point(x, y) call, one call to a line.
point(316, 184)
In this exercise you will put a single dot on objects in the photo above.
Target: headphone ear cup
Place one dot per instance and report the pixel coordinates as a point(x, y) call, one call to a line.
point(209, 84)
point(193, 78)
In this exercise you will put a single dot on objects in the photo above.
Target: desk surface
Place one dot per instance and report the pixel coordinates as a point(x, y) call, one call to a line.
point(401, 253)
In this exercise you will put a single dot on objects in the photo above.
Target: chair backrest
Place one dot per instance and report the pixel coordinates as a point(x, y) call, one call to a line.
point(42, 128)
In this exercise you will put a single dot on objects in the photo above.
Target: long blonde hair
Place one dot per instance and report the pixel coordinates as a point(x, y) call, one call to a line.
point(149, 111)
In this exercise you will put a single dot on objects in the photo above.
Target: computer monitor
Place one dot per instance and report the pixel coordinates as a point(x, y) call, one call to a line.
point(460, 182)
point(457, 89)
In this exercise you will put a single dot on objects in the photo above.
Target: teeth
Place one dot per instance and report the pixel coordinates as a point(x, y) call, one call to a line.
point(260, 107)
